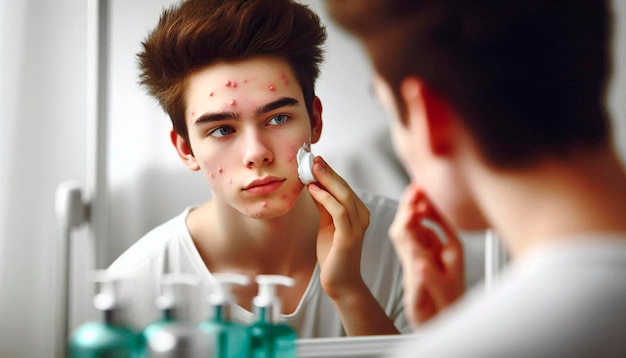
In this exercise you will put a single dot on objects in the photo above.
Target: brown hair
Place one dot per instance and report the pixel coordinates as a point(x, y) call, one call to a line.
point(197, 33)
point(527, 77)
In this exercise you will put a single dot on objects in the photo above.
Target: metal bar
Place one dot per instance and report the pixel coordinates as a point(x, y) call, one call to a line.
point(70, 213)
point(97, 127)
point(495, 258)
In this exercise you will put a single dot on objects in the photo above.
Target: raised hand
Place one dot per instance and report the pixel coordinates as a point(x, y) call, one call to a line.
point(344, 219)
point(433, 269)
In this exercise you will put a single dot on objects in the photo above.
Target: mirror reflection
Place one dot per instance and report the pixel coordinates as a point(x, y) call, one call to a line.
point(220, 194)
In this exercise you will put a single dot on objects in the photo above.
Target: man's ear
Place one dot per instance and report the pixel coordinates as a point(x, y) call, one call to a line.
point(316, 120)
point(184, 151)
point(427, 105)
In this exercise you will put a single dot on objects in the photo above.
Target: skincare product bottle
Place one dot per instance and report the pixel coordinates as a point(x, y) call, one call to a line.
point(174, 335)
point(270, 337)
point(107, 337)
point(232, 338)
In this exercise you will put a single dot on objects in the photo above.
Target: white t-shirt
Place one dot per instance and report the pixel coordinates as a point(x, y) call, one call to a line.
point(169, 248)
point(566, 299)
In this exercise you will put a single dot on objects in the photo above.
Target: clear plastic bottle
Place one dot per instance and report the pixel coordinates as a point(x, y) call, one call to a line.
point(106, 337)
point(270, 336)
point(232, 338)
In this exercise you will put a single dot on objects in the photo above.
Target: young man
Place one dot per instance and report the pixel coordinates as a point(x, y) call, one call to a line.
point(237, 79)
point(499, 115)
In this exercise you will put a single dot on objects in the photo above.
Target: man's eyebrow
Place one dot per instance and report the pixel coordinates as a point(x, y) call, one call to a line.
point(213, 117)
point(279, 103)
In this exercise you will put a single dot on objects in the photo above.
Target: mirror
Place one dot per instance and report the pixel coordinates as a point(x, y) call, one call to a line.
point(147, 180)
point(149, 185)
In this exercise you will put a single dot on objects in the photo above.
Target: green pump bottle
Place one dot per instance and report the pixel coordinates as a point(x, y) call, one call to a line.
point(232, 338)
point(107, 337)
point(270, 337)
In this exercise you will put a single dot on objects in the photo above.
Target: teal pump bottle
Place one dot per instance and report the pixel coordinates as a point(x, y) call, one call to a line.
point(271, 338)
point(174, 335)
point(107, 337)
point(232, 338)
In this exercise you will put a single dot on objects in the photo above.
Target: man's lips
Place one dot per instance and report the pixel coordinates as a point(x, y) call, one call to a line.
point(264, 185)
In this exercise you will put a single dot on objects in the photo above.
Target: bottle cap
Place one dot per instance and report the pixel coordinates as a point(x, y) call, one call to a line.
point(171, 297)
point(266, 298)
point(106, 298)
point(221, 293)
point(305, 165)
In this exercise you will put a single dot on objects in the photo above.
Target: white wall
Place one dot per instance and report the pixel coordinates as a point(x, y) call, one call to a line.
point(42, 126)
point(42, 111)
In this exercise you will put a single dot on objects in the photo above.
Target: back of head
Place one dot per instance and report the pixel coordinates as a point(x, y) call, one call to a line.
point(527, 77)
point(196, 33)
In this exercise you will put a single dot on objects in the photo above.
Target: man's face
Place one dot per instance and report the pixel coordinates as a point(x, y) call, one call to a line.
point(442, 176)
point(406, 147)
point(246, 121)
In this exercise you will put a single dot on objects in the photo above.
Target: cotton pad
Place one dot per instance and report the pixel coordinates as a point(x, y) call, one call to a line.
point(305, 165)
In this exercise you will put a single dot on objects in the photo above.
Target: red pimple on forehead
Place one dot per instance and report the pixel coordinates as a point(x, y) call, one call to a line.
point(284, 78)
point(272, 88)
point(220, 170)
point(210, 94)
point(231, 84)
point(232, 102)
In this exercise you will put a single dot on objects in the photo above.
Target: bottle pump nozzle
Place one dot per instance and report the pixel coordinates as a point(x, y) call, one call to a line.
point(170, 297)
point(221, 298)
point(267, 298)
point(106, 298)
point(221, 293)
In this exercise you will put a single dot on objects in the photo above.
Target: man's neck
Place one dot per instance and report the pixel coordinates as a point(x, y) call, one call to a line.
point(555, 200)
point(230, 241)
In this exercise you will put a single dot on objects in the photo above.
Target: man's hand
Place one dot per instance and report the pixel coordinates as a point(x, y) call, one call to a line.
point(433, 270)
point(343, 221)
point(344, 218)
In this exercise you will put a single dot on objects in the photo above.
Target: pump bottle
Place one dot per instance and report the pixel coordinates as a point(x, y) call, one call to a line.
point(174, 335)
point(107, 337)
point(232, 338)
point(270, 337)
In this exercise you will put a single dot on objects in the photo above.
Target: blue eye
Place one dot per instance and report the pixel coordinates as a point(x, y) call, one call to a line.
point(221, 132)
point(279, 119)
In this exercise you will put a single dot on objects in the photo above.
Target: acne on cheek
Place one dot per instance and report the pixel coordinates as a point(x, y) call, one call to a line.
point(291, 152)
point(211, 173)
